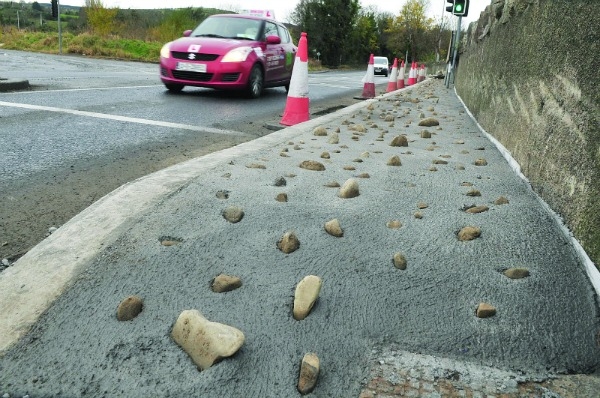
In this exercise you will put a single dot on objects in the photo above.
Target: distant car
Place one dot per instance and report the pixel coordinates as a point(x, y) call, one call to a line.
point(230, 52)
point(381, 65)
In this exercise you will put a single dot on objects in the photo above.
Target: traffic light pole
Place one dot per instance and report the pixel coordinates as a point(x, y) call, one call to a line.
point(452, 67)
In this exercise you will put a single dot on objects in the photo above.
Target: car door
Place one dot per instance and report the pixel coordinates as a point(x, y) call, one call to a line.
point(274, 55)
point(290, 52)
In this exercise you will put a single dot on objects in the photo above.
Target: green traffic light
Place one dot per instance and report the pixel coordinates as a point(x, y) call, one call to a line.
point(458, 8)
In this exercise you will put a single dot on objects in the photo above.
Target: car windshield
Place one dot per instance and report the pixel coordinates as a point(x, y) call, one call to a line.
point(228, 27)
point(380, 60)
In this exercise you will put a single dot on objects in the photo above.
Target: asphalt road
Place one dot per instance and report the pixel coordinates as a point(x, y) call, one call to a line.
point(545, 323)
point(87, 126)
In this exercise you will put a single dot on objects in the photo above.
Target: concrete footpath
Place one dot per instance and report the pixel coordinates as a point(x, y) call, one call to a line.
point(396, 314)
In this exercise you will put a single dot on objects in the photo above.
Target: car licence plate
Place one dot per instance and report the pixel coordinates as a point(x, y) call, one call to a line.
point(189, 67)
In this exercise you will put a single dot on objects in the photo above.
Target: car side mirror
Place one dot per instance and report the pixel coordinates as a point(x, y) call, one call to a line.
point(273, 39)
point(187, 33)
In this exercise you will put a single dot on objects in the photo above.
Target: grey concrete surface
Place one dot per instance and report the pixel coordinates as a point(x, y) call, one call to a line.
point(59, 301)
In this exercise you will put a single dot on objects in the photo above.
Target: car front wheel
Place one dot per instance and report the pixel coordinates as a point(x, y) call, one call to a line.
point(255, 82)
point(174, 88)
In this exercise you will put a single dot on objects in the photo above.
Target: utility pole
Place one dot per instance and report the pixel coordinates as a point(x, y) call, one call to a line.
point(18, 21)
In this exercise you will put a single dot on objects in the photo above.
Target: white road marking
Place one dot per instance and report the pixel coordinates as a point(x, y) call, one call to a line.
point(121, 118)
point(82, 89)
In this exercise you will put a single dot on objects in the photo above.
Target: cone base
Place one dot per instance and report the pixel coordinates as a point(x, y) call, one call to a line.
point(391, 87)
point(296, 111)
point(368, 90)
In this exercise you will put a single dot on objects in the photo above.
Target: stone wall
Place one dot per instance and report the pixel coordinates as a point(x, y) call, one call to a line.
point(529, 70)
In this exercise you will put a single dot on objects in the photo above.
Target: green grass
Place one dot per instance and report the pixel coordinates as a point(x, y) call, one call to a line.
point(84, 44)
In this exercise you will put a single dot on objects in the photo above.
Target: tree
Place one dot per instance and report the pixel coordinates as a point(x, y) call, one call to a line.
point(408, 30)
point(328, 24)
point(101, 20)
point(35, 6)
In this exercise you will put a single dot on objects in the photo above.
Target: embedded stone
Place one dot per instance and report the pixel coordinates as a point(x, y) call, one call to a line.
point(169, 241)
point(129, 308)
point(418, 215)
point(363, 175)
point(222, 194)
point(204, 341)
point(280, 182)
point(389, 118)
point(485, 310)
point(440, 161)
point(349, 168)
point(394, 224)
point(305, 296)
point(288, 243)
point(429, 122)
point(516, 273)
point(325, 155)
point(256, 166)
point(335, 138)
point(312, 165)
point(225, 283)
point(422, 205)
point(480, 162)
point(473, 192)
point(320, 131)
point(281, 197)
point(399, 141)
point(400, 261)
point(394, 161)
point(332, 184)
point(425, 134)
point(233, 214)
point(502, 200)
point(309, 373)
point(349, 189)
point(333, 228)
point(477, 209)
point(469, 233)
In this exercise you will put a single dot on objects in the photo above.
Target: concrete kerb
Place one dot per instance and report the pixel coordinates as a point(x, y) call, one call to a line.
point(13, 84)
point(38, 278)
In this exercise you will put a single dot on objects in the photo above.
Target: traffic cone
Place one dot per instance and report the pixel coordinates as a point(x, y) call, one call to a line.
point(369, 81)
point(401, 74)
point(412, 75)
point(421, 74)
point(392, 84)
point(297, 104)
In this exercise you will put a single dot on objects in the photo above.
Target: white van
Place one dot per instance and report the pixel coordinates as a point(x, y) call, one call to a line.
point(382, 65)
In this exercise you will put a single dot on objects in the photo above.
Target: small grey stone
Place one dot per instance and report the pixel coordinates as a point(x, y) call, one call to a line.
point(233, 214)
point(280, 182)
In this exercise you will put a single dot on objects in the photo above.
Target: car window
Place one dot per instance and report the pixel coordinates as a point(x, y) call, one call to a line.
point(284, 34)
point(271, 29)
point(228, 28)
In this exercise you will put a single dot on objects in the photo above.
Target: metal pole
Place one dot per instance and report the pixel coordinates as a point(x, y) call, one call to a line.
point(18, 21)
point(452, 67)
point(59, 28)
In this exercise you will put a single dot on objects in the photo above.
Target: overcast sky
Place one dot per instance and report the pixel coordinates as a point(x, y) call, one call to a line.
point(282, 8)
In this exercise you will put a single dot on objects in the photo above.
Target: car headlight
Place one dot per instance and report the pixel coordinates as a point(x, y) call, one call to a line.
point(165, 52)
point(237, 55)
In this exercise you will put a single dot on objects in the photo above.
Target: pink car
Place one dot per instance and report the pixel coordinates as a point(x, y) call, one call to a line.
point(230, 52)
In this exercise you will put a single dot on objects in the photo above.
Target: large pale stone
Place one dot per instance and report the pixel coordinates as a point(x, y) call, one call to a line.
point(309, 373)
point(204, 341)
point(288, 243)
point(307, 293)
point(477, 209)
point(394, 161)
point(320, 131)
point(349, 189)
point(333, 228)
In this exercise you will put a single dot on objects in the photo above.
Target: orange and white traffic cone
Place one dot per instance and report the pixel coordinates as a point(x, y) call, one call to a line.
point(369, 81)
point(412, 78)
point(401, 74)
point(297, 104)
point(421, 74)
point(393, 84)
